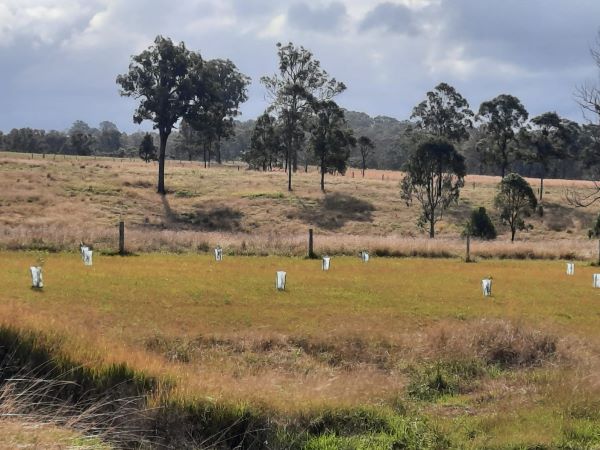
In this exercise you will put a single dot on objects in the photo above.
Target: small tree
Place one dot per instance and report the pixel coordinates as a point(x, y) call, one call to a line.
point(366, 147)
point(435, 174)
point(330, 139)
point(480, 225)
point(265, 144)
point(515, 200)
point(147, 148)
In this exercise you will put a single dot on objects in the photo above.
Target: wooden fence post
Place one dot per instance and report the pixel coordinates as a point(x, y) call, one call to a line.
point(121, 238)
point(311, 253)
point(468, 257)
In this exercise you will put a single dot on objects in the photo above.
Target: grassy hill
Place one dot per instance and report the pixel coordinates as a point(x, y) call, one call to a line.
point(55, 202)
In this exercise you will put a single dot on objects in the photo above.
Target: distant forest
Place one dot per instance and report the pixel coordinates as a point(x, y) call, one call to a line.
point(391, 139)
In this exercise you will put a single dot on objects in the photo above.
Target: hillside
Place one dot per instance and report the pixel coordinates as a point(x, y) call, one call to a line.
point(55, 202)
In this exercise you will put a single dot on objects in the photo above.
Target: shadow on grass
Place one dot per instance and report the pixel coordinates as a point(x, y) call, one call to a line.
point(205, 218)
point(334, 211)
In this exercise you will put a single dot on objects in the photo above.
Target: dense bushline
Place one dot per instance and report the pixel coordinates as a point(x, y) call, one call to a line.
point(392, 146)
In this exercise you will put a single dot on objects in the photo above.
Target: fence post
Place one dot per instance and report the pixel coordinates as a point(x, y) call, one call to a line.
point(121, 238)
point(468, 257)
point(311, 253)
point(599, 252)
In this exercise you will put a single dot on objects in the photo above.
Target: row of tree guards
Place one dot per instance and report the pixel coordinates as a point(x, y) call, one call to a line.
point(281, 276)
point(311, 251)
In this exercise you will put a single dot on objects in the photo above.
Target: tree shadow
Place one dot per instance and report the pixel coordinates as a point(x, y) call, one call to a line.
point(460, 213)
point(334, 211)
point(559, 217)
point(205, 218)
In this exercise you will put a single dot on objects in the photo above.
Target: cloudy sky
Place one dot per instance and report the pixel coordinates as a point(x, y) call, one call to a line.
point(59, 58)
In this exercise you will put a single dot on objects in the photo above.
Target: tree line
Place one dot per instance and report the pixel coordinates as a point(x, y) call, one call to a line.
point(198, 101)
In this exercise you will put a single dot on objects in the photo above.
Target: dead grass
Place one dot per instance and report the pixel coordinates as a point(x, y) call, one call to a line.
point(55, 202)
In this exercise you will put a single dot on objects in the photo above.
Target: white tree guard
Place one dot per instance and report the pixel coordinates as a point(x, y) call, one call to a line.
point(87, 257)
point(36, 277)
point(596, 280)
point(218, 254)
point(280, 280)
point(326, 262)
point(486, 285)
point(364, 256)
point(570, 269)
point(82, 250)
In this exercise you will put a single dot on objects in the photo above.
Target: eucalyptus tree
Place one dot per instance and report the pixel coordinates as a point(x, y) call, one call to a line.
point(435, 173)
point(502, 120)
point(227, 88)
point(265, 144)
point(515, 200)
point(299, 81)
point(330, 138)
point(445, 113)
point(366, 147)
point(549, 138)
point(167, 80)
point(147, 148)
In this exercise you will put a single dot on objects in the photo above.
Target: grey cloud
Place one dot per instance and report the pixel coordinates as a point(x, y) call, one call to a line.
point(72, 76)
point(390, 17)
point(533, 34)
point(330, 17)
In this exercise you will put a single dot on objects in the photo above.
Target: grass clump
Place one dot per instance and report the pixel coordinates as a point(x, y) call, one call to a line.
point(433, 381)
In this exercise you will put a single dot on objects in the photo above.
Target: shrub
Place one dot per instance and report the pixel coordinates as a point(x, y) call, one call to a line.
point(480, 225)
point(594, 232)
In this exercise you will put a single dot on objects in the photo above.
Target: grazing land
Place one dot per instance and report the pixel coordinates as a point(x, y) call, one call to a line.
point(403, 351)
point(54, 202)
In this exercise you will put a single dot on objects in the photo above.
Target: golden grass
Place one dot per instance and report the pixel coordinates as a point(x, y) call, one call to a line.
point(56, 202)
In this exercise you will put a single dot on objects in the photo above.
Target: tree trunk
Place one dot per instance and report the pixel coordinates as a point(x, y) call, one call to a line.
point(218, 146)
point(161, 162)
point(288, 164)
point(432, 229)
point(541, 188)
point(204, 149)
point(512, 234)
point(322, 177)
point(364, 166)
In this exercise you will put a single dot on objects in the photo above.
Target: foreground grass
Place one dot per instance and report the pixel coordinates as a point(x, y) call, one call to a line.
point(393, 352)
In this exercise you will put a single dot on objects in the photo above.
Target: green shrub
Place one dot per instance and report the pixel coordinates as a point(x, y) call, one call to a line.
point(480, 225)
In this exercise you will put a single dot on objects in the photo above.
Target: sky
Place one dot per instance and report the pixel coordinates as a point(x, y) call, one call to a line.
point(59, 58)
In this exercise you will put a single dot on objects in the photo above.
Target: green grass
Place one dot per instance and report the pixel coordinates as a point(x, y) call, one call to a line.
point(396, 353)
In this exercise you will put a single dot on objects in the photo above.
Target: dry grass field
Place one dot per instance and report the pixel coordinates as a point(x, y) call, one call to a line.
point(55, 202)
point(168, 348)
point(412, 338)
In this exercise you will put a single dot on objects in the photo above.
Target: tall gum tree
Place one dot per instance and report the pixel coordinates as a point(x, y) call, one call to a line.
point(299, 82)
point(502, 119)
point(166, 79)
point(445, 114)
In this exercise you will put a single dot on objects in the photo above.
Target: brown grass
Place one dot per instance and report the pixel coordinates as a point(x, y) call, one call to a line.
point(55, 202)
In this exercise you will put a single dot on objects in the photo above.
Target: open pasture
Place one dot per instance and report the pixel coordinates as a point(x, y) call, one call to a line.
point(519, 368)
point(54, 202)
